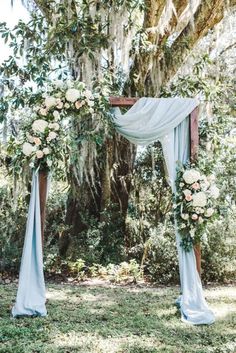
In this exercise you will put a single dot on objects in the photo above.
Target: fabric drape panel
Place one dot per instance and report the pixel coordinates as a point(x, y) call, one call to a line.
point(31, 294)
point(166, 120)
point(194, 309)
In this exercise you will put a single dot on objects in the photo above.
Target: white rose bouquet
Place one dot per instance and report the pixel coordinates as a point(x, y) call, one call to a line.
point(41, 141)
point(194, 204)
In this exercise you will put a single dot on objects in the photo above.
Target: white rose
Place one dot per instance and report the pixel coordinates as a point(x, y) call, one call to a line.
point(51, 136)
point(46, 150)
point(56, 115)
point(209, 212)
point(39, 125)
point(190, 176)
point(199, 199)
point(187, 192)
point(72, 95)
point(27, 149)
point(56, 126)
point(37, 141)
point(50, 102)
point(214, 191)
point(39, 154)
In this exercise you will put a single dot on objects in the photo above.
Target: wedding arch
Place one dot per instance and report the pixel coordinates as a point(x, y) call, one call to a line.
point(172, 121)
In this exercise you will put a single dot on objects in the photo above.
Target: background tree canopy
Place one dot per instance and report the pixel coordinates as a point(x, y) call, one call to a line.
point(137, 48)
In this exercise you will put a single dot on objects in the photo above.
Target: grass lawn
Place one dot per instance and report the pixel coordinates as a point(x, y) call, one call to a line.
point(111, 319)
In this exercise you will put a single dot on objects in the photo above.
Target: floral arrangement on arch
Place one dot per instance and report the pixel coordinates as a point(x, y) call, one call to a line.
point(41, 141)
point(195, 203)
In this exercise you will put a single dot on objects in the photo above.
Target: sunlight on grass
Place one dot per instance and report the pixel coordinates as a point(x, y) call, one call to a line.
point(116, 319)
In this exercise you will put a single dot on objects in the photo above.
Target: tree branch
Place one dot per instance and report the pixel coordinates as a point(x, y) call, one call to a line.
point(208, 14)
point(151, 71)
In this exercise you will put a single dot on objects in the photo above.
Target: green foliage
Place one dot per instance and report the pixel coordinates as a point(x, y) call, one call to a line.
point(12, 232)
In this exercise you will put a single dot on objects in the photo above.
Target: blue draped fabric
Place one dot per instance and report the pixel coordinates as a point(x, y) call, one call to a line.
point(166, 120)
point(31, 296)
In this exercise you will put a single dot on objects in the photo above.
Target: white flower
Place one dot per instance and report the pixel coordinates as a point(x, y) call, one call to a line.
point(30, 138)
point(91, 110)
point(59, 104)
point(54, 126)
point(72, 95)
point(51, 136)
point(204, 183)
point(90, 103)
point(199, 210)
point(27, 149)
point(187, 192)
point(200, 220)
point(190, 176)
point(209, 212)
point(194, 217)
point(37, 141)
point(192, 233)
point(67, 105)
point(184, 216)
point(88, 94)
point(46, 150)
point(199, 199)
point(50, 102)
point(56, 115)
point(39, 154)
point(78, 104)
point(39, 125)
point(43, 112)
point(49, 162)
point(214, 191)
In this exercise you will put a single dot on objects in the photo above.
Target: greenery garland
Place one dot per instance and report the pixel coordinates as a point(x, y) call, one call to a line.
point(195, 202)
point(53, 115)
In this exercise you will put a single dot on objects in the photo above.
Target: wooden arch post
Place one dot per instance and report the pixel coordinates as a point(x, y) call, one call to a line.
point(194, 143)
point(128, 102)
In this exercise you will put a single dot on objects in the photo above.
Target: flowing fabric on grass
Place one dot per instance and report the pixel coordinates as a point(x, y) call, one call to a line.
point(167, 120)
point(31, 294)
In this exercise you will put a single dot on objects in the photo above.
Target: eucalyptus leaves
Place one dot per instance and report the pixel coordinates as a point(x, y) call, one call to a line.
point(194, 205)
point(42, 140)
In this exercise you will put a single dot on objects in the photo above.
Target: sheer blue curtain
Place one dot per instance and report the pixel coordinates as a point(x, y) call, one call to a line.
point(31, 296)
point(167, 120)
